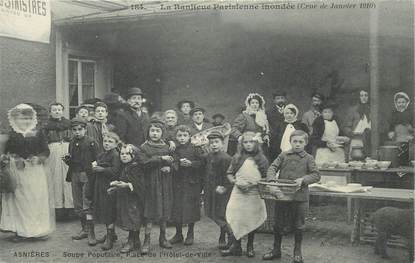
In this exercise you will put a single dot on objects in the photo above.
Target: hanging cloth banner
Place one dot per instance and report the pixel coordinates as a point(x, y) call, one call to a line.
point(25, 19)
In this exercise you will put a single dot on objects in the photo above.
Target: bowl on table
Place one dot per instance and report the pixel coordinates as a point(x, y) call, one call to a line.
point(332, 164)
point(371, 164)
point(356, 164)
point(343, 165)
point(383, 165)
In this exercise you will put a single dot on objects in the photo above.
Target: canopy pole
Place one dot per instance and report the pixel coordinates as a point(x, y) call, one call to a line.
point(374, 79)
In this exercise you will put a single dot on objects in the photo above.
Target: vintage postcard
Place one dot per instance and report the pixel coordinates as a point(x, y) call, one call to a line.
point(207, 131)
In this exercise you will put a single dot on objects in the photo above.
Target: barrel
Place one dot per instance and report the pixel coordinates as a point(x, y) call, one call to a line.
point(389, 153)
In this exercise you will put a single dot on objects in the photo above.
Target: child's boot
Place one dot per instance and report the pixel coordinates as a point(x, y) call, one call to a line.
point(234, 250)
point(163, 242)
point(137, 242)
point(91, 233)
point(146, 244)
point(275, 253)
point(250, 245)
point(104, 237)
point(178, 237)
point(83, 233)
point(190, 235)
point(129, 246)
point(109, 239)
point(222, 239)
point(298, 238)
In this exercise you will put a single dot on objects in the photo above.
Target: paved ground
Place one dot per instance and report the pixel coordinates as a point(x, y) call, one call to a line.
point(324, 242)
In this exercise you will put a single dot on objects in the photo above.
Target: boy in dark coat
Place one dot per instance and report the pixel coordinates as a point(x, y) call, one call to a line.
point(105, 171)
point(216, 185)
point(295, 164)
point(186, 186)
point(82, 153)
point(130, 196)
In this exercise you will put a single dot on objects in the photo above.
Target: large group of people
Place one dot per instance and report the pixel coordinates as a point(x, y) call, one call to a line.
point(116, 165)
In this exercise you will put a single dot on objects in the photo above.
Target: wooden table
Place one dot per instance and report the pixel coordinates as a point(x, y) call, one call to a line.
point(387, 194)
point(388, 178)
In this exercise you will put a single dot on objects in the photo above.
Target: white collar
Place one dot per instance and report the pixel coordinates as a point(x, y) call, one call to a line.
point(199, 126)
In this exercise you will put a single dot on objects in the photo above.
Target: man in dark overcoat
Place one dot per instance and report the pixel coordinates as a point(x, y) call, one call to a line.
point(275, 116)
point(131, 124)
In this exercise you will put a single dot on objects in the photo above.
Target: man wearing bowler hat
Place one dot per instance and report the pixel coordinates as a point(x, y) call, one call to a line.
point(275, 116)
point(133, 122)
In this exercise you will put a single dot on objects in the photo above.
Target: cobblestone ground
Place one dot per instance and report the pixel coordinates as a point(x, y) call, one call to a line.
point(324, 242)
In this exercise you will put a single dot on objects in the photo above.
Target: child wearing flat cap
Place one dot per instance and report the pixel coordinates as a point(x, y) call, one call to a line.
point(81, 154)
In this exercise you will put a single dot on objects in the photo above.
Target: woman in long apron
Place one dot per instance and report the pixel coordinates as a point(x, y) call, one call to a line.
point(57, 131)
point(28, 211)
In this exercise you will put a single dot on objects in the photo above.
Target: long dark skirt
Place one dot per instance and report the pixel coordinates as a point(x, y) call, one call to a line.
point(186, 205)
point(129, 211)
point(104, 205)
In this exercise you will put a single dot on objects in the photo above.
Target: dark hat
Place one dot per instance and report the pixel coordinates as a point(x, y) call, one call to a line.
point(196, 109)
point(78, 121)
point(215, 134)
point(111, 98)
point(329, 105)
point(100, 104)
point(180, 104)
point(279, 93)
point(91, 102)
point(218, 115)
point(317, 95)
point(134, 91)
point(156, 120)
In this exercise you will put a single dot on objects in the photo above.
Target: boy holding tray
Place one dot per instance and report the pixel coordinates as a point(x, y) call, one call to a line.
point(297, 165)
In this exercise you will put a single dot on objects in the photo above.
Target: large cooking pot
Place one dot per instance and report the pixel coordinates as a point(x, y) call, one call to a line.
point(389, 153)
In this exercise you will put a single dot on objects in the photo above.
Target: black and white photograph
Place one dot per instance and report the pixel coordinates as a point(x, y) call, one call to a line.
point(207, 131)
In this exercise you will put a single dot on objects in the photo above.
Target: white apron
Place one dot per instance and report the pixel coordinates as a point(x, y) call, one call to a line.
point(285, 141)
point(27, 212)
point(325, 155)
point(57, 170)
point(246, 210)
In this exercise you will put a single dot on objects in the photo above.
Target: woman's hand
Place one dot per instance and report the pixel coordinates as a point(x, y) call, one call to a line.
point(185, 162)
point(34, 160)
point(167, 158)
point(391, 135)
point(331, 146)
point(220, 189)
point(165, 169)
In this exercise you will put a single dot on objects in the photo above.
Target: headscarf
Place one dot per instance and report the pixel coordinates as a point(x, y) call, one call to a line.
point(291, 107)
point(401, 95)
point(26, 110)
point(260, 116)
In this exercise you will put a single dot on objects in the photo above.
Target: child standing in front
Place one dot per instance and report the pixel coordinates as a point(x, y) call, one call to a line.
point(246, 210)
point(157, 160)
point(187, 185)
point(130, 196)
point(81, 154)
point(294, 164)
point(217, 186)
point(105, 171)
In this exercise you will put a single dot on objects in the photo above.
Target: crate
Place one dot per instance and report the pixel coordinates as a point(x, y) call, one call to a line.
point(280, 191)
